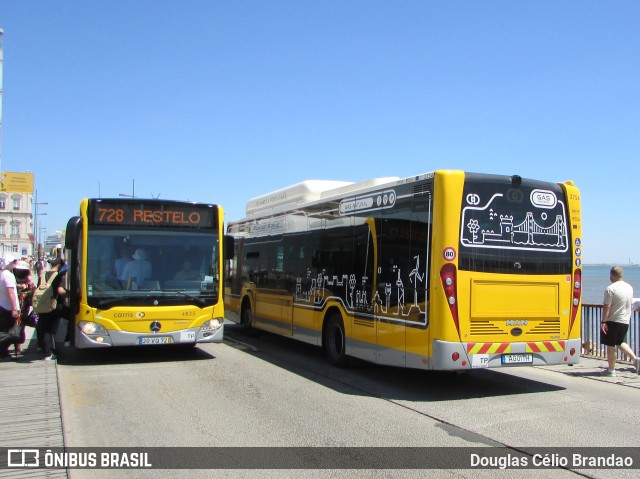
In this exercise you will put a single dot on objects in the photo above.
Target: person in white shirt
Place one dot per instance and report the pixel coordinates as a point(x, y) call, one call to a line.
point(616, 315)
point(124, 256)
point(137, 270)
point(9, 305)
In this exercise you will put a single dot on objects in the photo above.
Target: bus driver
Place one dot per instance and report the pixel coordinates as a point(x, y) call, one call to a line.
point(138, 269)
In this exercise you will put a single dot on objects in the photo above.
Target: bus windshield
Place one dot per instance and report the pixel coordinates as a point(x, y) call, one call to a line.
point(145, 266)
point(514, 226)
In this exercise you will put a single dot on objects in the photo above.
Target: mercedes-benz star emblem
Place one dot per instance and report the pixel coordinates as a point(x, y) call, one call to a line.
point(155, 326)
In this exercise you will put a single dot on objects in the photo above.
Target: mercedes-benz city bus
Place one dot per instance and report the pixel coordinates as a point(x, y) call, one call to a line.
point(145, 272)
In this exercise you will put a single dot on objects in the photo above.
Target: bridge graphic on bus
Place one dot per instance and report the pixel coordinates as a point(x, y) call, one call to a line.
point(534, 232)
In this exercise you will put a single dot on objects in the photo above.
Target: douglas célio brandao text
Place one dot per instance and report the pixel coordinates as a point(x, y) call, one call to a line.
point(572, 460)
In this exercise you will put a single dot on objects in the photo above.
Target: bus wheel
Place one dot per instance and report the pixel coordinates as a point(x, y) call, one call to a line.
point(247, 318)
point(334, 341)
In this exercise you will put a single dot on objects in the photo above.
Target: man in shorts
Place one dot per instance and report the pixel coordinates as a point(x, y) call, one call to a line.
point(616, 314)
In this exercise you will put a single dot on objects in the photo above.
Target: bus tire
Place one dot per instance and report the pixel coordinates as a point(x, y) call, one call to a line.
point(247, 318)
point(334, 341)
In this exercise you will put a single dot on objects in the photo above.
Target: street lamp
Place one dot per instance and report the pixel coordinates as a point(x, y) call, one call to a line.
point(133, 190)
point(41, 231)
point(35, 222)
point(37, 238)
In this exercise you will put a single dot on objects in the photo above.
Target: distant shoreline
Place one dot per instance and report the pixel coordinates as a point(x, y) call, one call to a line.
point(611, 264)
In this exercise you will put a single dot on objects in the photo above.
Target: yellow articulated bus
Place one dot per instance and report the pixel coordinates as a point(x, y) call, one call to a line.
point(145, 272)
point(447, 270)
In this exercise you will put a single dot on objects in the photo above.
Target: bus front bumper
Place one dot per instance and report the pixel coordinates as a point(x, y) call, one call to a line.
point(109, 338)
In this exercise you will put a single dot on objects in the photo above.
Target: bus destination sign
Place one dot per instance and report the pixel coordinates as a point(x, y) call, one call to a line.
point(141, 214)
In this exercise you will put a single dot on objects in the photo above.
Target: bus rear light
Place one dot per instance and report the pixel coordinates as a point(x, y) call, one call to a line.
point(572, 351)
point(455, 356)
point(448, 277)
point(577, 293)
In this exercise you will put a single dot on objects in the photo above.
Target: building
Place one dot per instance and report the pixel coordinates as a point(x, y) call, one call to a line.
point(16, 223)
point(53, 242)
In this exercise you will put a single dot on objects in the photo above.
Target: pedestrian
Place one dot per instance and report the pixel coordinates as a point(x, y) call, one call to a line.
point(616, 315)
point(39, 266)
point(25, 287)
point(9, 306)
point(48, 322)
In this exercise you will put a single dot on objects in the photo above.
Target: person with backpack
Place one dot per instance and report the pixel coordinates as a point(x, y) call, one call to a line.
point(9, 305)
point(49, 318)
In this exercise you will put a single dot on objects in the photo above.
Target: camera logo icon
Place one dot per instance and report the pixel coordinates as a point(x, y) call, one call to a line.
point(23, 458)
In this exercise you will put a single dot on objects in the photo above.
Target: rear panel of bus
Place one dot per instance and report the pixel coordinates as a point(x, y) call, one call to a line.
point(506, 272)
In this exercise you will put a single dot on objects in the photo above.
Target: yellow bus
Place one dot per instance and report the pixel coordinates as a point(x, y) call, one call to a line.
point(145, 272)
point(448, 270)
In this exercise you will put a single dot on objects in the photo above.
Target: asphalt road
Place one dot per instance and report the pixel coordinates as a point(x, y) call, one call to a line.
point(267, 391)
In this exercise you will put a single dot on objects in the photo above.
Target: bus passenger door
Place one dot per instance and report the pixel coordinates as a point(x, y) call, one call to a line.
point(286, 298)
point(401, 281)
point(391, 300)
point(273, 303)
point(363, 332)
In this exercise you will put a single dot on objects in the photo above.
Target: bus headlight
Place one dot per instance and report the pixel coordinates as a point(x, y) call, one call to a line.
point(211, 325)
point(89, 327)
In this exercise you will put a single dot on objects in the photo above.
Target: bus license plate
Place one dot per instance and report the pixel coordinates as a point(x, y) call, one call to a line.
point(517, 359)
point(154, 340)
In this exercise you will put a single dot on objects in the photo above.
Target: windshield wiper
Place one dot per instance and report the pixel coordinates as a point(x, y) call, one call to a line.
point(166, 294)
point(128, 298)
point(197, 299)
point(105, 302)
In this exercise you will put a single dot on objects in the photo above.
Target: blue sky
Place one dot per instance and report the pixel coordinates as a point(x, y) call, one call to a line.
point(220, 101)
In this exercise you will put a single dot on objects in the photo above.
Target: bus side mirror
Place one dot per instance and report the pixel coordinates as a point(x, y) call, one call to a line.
point(228, 247)
point(72, 233)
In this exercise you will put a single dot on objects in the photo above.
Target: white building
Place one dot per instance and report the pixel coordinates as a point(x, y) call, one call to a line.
point(16, 223)
point(53, 241)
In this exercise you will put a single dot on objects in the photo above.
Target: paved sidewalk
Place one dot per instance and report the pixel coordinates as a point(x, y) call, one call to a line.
point(30, 408)
point(594, 368)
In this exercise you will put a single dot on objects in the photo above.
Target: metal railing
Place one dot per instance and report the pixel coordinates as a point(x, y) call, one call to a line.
point(591, 346)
